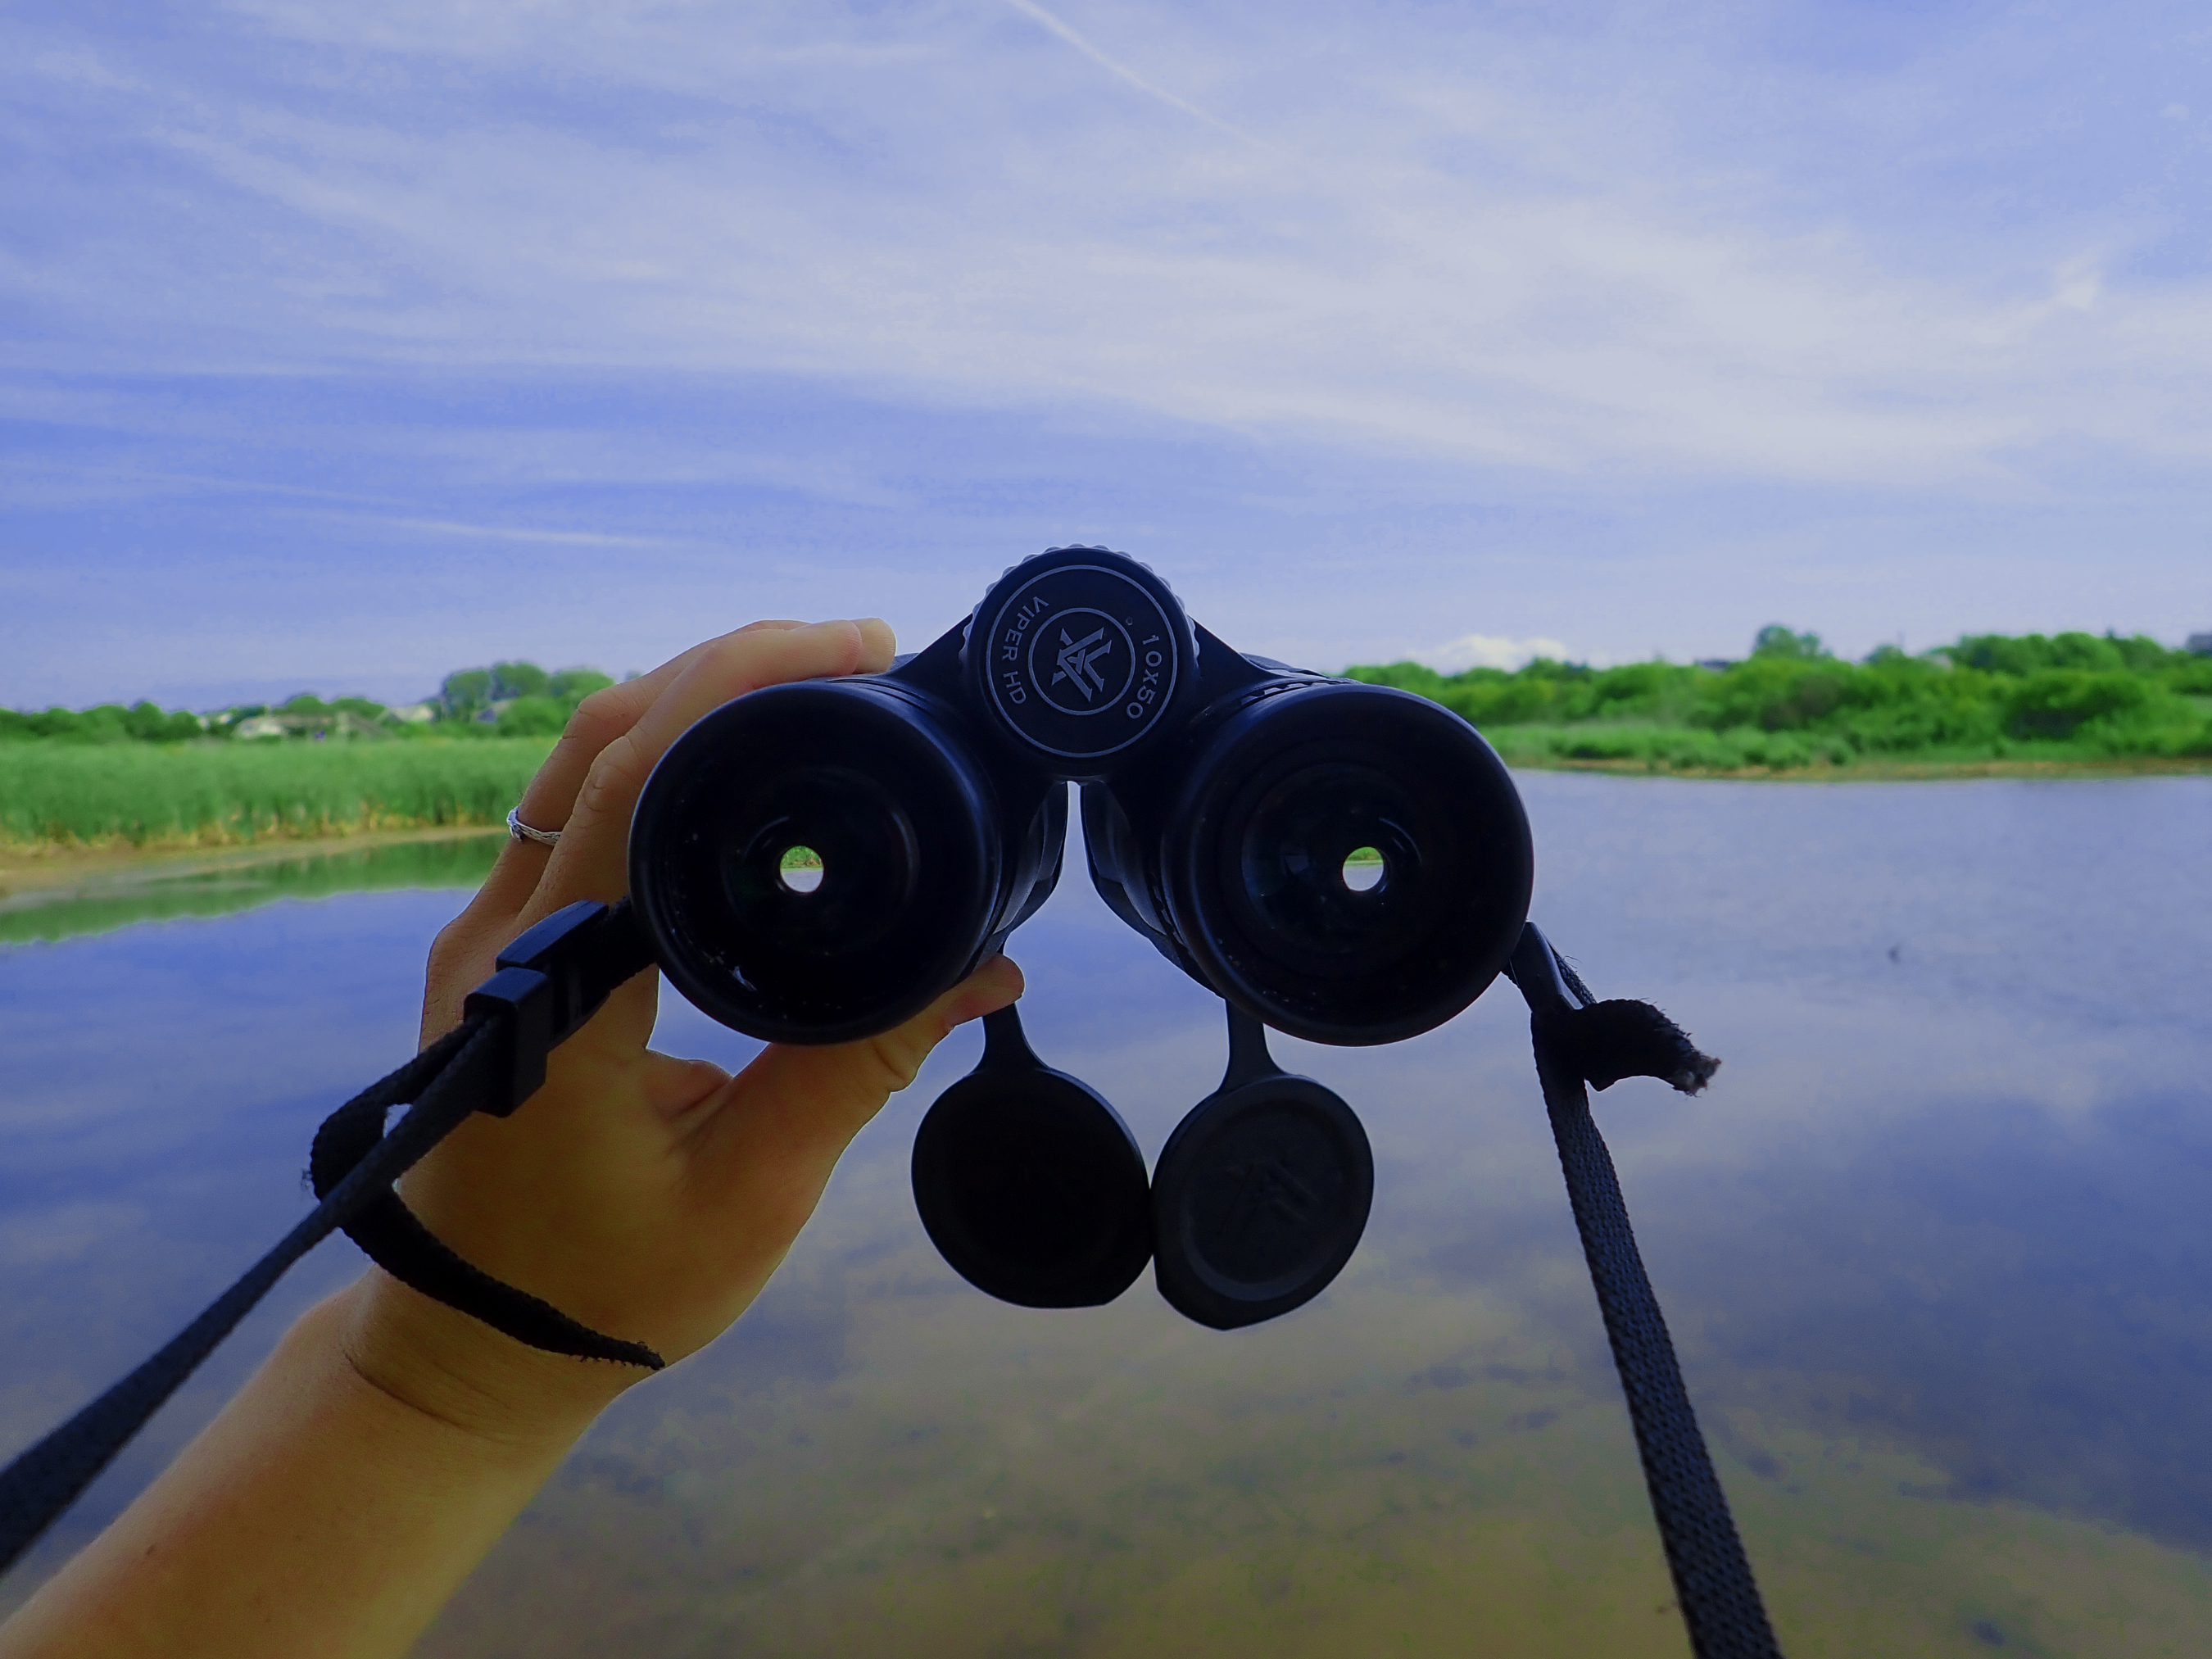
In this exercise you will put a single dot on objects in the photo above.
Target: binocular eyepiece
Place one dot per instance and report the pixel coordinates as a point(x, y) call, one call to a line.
point(816, 862)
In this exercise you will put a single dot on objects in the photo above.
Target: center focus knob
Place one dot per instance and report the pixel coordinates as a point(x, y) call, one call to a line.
point(1080, 652)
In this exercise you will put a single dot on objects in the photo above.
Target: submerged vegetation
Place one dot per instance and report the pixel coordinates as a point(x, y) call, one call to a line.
point(2066, 699)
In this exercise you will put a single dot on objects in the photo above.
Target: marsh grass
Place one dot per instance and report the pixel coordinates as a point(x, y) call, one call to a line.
point(224, 794)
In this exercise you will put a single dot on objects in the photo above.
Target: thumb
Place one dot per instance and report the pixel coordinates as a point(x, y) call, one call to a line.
point(802, 1104)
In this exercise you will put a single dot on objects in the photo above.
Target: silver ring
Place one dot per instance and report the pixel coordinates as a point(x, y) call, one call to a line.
point(522, 831)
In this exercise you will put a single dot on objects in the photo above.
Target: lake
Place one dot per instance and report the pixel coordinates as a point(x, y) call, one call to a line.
point(1935, 1248)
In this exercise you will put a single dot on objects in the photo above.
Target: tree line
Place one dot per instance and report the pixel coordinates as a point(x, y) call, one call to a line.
point(507, 699)
point(2095, 693)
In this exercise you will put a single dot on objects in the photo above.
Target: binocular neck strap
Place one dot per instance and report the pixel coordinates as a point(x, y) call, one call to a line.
point(390, 1236)
point(549, 982)
point(556, 975)
point(1580, 1040)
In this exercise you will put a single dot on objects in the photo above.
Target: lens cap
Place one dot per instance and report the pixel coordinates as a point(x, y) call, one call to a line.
point(1261, 1194)
point(1029, 1184)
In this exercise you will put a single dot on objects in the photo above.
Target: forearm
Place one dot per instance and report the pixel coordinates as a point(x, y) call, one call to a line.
point(317, 1514)
point(338, 1502)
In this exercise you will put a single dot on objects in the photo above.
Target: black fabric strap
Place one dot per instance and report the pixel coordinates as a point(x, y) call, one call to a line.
point(389, 1235)
point(551, 980)
point(584, 952)
point(43, 1481)
point(1601, 1043)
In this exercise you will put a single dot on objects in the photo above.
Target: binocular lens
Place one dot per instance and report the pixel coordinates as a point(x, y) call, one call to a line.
point(1348, 861)
point(816, 861)
point(818, 854)
point(1295, 874)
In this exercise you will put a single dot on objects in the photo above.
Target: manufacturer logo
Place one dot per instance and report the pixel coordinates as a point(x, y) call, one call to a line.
point(1079, 659)
point(1082, 659)
point(1266, 1184)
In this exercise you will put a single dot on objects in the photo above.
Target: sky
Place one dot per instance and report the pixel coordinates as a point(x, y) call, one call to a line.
point(342, 346)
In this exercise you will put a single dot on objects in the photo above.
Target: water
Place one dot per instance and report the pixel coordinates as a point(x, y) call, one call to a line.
point(1934, 1249)
point(241, 878)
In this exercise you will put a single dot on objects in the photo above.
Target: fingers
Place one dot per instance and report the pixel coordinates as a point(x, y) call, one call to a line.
point(509, 899)
point(797, 1108)
point(550, 796)
point(592, 860)
point(676, 1089)
point(599, 720)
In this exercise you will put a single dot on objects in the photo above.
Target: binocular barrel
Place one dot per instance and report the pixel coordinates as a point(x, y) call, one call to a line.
point(816, 862)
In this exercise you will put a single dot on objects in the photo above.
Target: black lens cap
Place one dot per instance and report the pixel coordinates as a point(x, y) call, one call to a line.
point(1029, 1184)
point(1261, 1195)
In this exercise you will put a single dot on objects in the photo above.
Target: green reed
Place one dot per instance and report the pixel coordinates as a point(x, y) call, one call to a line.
point(219, 794)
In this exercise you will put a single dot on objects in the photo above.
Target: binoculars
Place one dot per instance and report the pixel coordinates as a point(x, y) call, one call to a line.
point(1346, 863)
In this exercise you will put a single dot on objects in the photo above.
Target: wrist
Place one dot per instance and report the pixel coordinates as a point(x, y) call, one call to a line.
point(331, 1508)
point(460, 1373)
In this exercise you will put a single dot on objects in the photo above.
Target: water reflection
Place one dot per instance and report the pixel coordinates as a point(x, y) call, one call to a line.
point(224, 883)
point(1932, 1247)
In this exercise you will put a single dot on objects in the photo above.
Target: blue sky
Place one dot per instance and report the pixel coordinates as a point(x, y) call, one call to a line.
point(343, 345)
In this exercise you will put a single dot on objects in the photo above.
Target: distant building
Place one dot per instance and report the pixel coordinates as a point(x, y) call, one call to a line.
point(2200, 644)
point(332, 723)
point(1714, 664)
point(414, 713)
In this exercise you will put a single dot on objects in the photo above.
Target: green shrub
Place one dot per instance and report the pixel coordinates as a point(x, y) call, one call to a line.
point(1776, 641)
point(1778, 693)
point(2031, 653)
point(2056, 702)
point(111, 722)
point(2072, 696)
point(574, 685)
point(534, 717)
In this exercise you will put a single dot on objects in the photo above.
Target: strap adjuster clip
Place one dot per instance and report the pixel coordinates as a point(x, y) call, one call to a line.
point(520, 1003)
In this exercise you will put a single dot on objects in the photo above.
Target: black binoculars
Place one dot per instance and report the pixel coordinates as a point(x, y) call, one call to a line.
point(1346, 863)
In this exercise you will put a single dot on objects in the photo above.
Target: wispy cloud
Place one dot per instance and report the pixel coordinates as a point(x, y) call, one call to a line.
point(1486, 651)
point(509, 532)
point(1121, 72)
point(1634, 323)
point(1453, 240)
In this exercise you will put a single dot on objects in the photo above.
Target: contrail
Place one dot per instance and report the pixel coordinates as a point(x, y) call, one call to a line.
point(1030, 9)
point(498, 532)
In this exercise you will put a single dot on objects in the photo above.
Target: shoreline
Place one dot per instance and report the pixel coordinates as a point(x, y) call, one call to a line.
point(1882, 771)
point(56, 868)
point(45, 866)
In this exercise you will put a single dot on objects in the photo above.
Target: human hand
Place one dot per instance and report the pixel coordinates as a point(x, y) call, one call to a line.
point(646, 1196)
